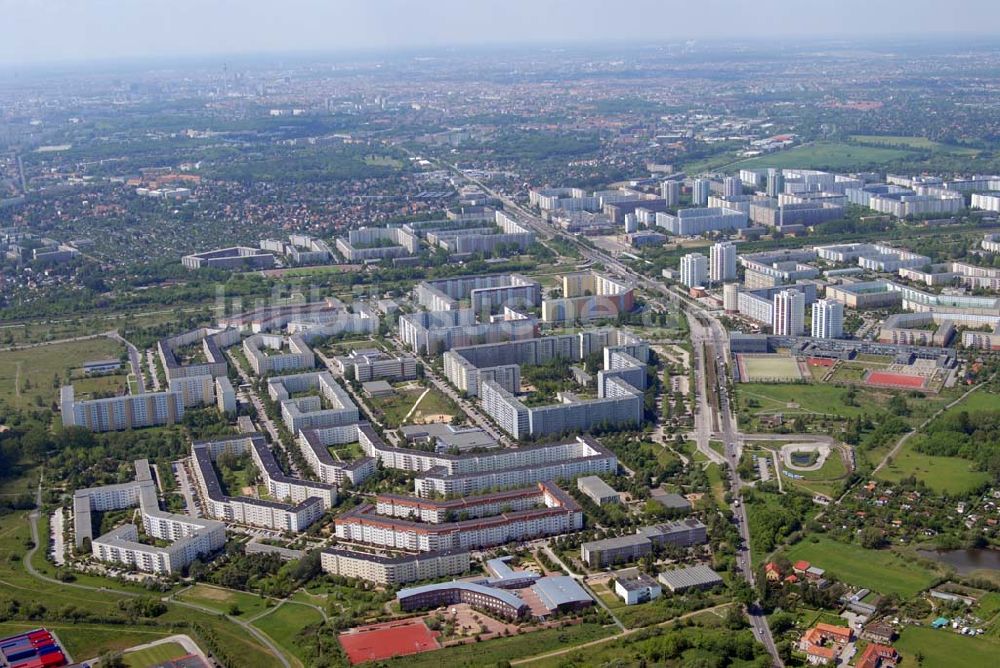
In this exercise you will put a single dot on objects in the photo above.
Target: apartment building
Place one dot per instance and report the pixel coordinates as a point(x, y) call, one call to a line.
point(266, 353)
point(131, 411)
point(485, 294)
point(789, 313)
point(377, 243)
point(190, 537)
point(629, 548)
point(692, 222)
point(434, 332)
point(722, 262)
point(394, 570)
point(468, 473)
point(330, 406)
point(236, 257)
point(827, 319)
point(371, 364)
point(694, 270)
point(551, 512)
point(589, 295)
point(314, 444)
point(202, 353)
point(307, 499)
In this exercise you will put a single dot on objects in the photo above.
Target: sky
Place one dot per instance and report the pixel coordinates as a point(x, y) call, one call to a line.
point(44, 31)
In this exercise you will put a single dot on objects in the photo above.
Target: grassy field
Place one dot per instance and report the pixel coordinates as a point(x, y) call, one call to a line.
point(221, 599)
point(946, 475)
point(879, 570)
point(770, 367)
point(28, 376)
point(942, 648)
point(916, 143)
point(284, 623)
point(823, 480)
point(950, 475)
point(431, 408)
point(819, 399)
point(826, 155)
point(493, 652)
point(154, 656)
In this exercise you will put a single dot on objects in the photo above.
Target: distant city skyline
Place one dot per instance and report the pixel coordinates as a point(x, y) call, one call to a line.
point(58, 31)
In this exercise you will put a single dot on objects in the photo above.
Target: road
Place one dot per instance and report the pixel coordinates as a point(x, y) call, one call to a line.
point(134, 360)
point(262, 417)
point(151, 363)
point(710, 340)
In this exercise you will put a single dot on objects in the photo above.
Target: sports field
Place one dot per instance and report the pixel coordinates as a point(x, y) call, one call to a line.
point(879, 570)
point(777, 368)
point(382, 641)
point(155, 655)
point(901, 381)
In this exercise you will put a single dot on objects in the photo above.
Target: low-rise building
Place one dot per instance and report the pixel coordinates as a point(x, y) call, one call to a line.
point(637, 588)
point(599, 491)
point(681, 580)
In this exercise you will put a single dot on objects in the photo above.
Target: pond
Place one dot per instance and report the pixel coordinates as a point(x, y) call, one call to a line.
point(965, 561)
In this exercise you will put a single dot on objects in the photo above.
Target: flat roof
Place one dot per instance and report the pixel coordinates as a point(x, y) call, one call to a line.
point(692, 576)
point(596, 486)
point(557, 590)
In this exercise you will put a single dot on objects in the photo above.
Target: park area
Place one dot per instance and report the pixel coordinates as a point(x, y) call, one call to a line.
point(943, 647)
point(412, 403)
point(882, 571)
point(768, 368)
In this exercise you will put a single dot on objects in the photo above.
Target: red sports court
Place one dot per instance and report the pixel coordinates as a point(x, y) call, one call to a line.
point(889, 379)
point(383, 641)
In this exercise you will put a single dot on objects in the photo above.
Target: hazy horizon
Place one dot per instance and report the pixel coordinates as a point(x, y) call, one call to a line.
point(41, 32)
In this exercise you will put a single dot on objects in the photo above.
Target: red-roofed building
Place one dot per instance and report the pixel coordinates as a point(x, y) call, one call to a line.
point(792, 579)
point(772, 572)
point(878, 656)
point(801, 567)
point(823, 642)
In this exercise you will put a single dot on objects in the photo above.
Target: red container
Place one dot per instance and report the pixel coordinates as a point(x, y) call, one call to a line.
point(54, 659)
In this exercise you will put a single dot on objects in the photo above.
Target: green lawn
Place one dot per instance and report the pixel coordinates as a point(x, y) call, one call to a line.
point(493, 652)
point(879, 570)
point(826, 155)
point(946, 475)
point(221, 599)
point(28, 376)
point(943, 648)
point(283, 624)
point(775, 398)
point(153, 656)
point(951, 475)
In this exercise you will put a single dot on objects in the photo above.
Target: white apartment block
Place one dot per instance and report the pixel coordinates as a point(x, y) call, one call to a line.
point(194, 390)
point(722, 262)
point(314, 443)
point(190, 537)
point(434, 332)
point(265, 356)
point(986, 201)
point(331, 407)
point(827, 319)
point(469, 473)
point(694, 270)
point(394, 570)
point(552, 512)
point(131, 411)
point(692, 222)
point(789, 313)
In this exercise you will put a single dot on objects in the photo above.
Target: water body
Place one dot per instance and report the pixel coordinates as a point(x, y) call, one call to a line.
point(965, 561)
